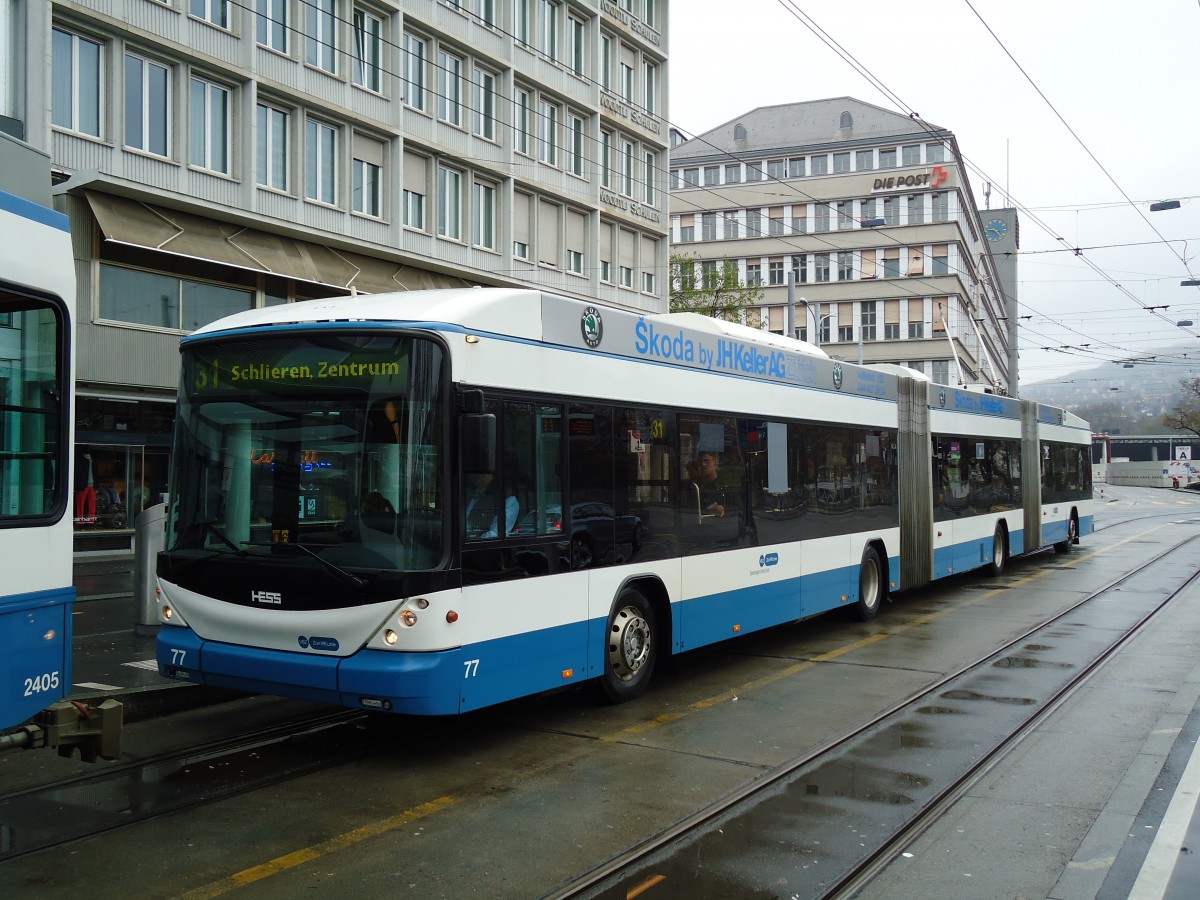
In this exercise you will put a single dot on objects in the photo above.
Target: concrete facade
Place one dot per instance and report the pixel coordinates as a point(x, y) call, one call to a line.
point(215, 156)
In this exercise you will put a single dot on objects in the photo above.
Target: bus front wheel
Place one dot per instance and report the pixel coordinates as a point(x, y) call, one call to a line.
point(999, 552)
point(631, 647)
point(871, 586)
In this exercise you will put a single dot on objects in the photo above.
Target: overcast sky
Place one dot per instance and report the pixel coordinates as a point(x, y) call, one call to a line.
point(1125, 78)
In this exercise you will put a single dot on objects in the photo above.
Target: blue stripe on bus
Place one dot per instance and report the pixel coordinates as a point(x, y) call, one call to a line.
point(27, 209)
point(471, 677)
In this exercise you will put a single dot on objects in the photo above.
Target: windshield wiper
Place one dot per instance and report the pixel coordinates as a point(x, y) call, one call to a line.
point(213, 552)
point(348, 577)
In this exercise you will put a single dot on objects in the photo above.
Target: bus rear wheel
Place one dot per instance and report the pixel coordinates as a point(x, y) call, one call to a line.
point(999, 552)
point(631, 647)
point(1072, 536)
point(871, 586)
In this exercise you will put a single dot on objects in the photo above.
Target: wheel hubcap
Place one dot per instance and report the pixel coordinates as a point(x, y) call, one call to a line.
point(628, 643)
point(869, 586)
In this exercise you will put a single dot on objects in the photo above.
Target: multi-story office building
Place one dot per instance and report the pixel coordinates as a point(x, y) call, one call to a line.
point(215, 156)
point(871, 213)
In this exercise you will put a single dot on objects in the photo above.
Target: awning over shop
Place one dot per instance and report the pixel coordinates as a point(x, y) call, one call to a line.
point(128, 221)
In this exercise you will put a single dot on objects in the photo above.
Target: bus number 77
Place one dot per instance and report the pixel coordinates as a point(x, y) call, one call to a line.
point(472, 668)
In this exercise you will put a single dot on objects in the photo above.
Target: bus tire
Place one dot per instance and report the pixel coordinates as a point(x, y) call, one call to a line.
point(1072, 535)
point(630, 647)
point(872, 587)
point(999, 552)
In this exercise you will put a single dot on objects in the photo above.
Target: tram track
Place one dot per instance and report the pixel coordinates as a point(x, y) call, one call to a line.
point(681, 856)
point(44, 816)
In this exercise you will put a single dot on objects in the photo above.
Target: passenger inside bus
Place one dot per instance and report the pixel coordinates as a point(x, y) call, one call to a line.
point(482, 512)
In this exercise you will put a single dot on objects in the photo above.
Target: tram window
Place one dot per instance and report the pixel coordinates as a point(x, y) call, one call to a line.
point(644, 498)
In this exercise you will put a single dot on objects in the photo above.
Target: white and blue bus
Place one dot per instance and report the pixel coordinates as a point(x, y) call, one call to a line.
point(434, 501)
point(37, 305)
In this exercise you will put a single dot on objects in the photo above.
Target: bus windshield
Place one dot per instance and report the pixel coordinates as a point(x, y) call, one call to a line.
point(332, 442)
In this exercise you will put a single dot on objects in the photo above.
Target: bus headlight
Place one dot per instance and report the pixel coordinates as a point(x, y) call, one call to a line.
point(390, 637)
point(408, 618)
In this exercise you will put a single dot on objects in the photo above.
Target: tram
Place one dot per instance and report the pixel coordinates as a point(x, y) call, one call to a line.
point(435, 501)
point(37, 307)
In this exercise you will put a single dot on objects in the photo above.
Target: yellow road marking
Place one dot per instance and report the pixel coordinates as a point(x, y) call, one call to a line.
point(308, 854)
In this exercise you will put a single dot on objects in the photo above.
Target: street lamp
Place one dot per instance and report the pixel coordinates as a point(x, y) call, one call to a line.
point(1164, 204)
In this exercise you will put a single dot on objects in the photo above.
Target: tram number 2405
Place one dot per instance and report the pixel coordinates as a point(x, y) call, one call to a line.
point(39, 684)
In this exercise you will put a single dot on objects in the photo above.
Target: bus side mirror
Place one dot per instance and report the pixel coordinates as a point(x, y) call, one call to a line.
point(477, 433)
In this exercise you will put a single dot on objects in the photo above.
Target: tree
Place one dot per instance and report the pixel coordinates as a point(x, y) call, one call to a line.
point(715, 290)
point(1185, 415)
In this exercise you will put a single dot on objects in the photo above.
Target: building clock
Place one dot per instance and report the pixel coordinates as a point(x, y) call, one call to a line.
point(995, 229)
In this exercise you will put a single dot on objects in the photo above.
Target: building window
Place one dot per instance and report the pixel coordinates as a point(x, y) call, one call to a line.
point(521, 11)
point(775, 271)
point(911, 154)
point(606, 271)
point(845, 265)
point(753, 274)
point(708, 226)
point(147, 105)
point(522, 114)
point(485, 104)
point(821, 217)
point(776, 169)
point(868, 210)
point(166, 301)
point(578, 136)
point(796, 167)
point(867, 323)
point(450, 203)
point(215, 12)
point(846, 120)
point(273, 24)
point(320, 172)
point(487, 12)
point(753, 223)
point(627, 276)
point(800, 268)
point(691, 177)
point(75, 103)
point(414, 210)
point(320, 41)
point(775, 222)
point(754, 172)
point(887, 158)
point(606, 151)
point(648, 283)
point(841, 162)
point(818, 165)
point(485, 216)
point(733, 173)
point(627, 168)
point(891, 264)
point(368, 188)
point(941, 260)
point(368, 43)
point(941, 371)
point(864, 160)
point(548, 147)
point(627, 83)
point(575, 33)
point(712, 175)
point(651, 161)
point(449, 88)
point(845, 214)
point(891, 210)
point(520, 250)
point(941, 208)
point(916, 209)
point(891, 331)
point(651, 16)
point(210, 126)
point(549, 16)
point(606, 44)
point(732, 227)
point(575, 261)
point(916, 329)
point(821, 266)
point(935, 153)
point(414, 71)
point(650, 87)
point(272, 137)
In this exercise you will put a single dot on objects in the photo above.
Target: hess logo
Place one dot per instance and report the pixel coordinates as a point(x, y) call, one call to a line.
point(271, 597)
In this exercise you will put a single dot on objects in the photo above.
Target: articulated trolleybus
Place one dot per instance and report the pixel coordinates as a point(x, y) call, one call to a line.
point(37, 302)
point(435, 501)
